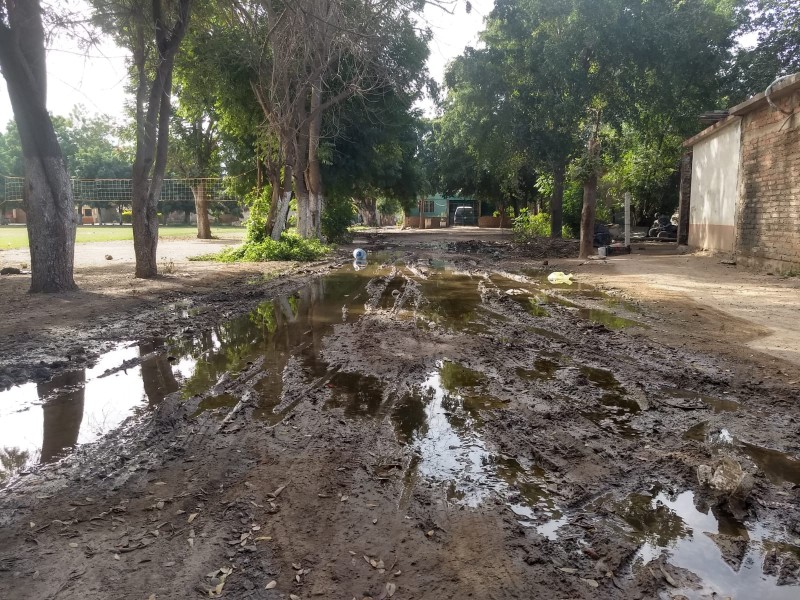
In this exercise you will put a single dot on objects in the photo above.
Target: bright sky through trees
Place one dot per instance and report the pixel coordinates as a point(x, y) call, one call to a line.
point(96, 79)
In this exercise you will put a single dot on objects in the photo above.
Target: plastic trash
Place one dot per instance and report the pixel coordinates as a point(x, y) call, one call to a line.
point(559, 277)
point(360, 255)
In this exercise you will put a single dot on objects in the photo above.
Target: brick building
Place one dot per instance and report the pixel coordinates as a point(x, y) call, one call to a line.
point(745, 181)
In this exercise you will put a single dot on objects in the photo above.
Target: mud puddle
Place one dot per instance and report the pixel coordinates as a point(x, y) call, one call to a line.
point(534, 292)
point(441, 420)
point(40, 423)
point(732, 558)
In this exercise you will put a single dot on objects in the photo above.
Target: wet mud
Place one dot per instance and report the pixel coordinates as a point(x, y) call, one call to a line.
point(429, 426)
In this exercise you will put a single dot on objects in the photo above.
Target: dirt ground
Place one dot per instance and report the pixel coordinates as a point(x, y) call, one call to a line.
point(443, 423)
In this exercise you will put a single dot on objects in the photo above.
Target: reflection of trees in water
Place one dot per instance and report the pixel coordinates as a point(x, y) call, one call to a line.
point(276, 329)
point(13, 460)
point(62, 404)
point(410, 417)
point(157, 375)
point(653, 521)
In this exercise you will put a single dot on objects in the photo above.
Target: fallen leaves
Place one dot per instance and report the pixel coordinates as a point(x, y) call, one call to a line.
point(375, 564)
point(217, 581)
point(192, 517)
point(277, 492)
point(271, 585)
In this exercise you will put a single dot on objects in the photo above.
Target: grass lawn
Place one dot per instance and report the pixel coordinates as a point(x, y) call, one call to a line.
point(16, 236)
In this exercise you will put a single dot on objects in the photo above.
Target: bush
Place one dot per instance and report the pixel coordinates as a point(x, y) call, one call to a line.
point(290, 247)
point(127, 216)
point(336, 220)
point(527, 226)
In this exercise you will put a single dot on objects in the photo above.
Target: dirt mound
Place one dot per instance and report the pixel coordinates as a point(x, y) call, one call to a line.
point(534, 248)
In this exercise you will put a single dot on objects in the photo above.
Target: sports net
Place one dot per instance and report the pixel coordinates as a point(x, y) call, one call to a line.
point(118, 191)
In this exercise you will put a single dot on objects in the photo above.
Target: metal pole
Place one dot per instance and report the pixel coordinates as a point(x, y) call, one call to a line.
point(627, 219)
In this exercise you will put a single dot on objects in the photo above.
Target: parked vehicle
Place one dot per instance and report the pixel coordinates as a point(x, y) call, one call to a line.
point(464, 215)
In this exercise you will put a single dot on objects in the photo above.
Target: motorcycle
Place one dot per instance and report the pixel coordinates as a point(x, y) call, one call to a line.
point(664, 227)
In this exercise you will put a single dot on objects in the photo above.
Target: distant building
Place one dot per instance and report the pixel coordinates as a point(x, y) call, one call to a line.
point(745, 181)
point(438, 211)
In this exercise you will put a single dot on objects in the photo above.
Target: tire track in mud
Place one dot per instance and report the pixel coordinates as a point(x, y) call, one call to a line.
point(566, 419)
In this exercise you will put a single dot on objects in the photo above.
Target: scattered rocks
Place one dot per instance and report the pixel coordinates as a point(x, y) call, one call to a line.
point(726, 478)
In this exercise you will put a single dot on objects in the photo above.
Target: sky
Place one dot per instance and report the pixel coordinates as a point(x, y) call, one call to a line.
point(97, 79)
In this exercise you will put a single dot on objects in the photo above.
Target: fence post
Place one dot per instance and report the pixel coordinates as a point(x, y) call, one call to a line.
point(627, 219)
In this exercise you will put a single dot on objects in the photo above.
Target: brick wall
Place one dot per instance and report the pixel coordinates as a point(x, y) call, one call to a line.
point(768, 208)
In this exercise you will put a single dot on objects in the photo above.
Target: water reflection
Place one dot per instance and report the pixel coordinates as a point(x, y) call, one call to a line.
point(62, 400)
point(157, 375)
point(728, 555)
point(275, 332)
point(441, 419)
point(41, 422)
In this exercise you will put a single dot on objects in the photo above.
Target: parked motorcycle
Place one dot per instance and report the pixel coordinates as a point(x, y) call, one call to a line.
point(664, 227)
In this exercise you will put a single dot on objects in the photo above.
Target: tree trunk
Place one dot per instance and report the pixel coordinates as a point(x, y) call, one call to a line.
point(587, 216)
point(200, 192)
point(282, 206)
point(152, 130)
point(368, 207)
point(305, 225)
point(557, 202)
point(187, 217)
point(315, 191)
point(47, 194)
point(62, 414)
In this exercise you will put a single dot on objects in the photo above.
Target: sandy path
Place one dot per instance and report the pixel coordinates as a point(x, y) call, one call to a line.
point(768, 302)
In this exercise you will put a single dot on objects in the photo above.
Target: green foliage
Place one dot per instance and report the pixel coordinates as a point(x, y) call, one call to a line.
point(336, 220)
point(257, 222)
point(776, 25)
point(290, 247)
point(528, 225)
point(552, 72)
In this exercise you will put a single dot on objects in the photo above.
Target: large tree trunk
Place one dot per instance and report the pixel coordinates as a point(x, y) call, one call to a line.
point(305, 226)
point(315, 191)
point(557, 202)
point(368, 207)
point(200, 193)
point(47, 195)
point(587, 216)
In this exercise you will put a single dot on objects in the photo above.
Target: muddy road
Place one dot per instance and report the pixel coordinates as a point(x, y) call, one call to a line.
point(435, 425)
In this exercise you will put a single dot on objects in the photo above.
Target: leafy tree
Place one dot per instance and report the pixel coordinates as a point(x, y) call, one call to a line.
point(308, 58)
point(555, 74)
point(776, 25)
point(48, 200)
point(195, 123)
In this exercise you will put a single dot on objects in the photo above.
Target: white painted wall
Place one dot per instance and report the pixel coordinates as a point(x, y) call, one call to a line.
point(715, 178)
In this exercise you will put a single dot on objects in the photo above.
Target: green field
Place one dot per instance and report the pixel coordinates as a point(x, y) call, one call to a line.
point(16, 236)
